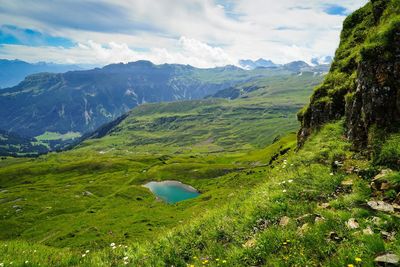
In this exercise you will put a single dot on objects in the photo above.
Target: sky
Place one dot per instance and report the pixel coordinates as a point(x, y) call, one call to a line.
point(202, 33)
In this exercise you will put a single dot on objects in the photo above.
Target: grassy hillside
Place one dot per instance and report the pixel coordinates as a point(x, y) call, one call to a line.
point(92, 195)
point(304, 210)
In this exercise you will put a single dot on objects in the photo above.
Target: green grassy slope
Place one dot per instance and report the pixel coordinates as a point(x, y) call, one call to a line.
point(297, 215)
point(92, 195)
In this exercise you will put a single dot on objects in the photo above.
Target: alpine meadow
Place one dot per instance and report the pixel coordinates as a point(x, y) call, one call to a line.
point(200, 133)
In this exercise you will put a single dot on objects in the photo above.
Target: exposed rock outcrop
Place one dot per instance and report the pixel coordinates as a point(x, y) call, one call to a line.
point(363, 84)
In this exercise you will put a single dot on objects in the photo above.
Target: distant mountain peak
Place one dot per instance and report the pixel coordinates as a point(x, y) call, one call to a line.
point(14, 71)
point(259, 63)
point(325, 60)
point(264, 61)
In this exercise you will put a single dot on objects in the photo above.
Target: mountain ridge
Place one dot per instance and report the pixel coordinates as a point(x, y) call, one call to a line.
point(13, 72)
point(81, 101)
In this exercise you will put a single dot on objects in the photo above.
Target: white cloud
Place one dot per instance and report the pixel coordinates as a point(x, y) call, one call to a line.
point(197, 32)
point(186, 51)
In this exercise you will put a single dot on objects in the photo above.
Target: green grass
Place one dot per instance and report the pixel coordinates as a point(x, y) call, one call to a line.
point(208, 144)
point(47, 136)
point(241, 156)
point(245, 231)
point(389, 153)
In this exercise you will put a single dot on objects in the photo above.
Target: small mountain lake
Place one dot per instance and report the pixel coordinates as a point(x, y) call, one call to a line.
point(172, 191)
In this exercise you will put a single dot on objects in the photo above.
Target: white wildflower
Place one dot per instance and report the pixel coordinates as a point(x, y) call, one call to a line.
point(87, 251)
point(83, 255)
point(284, 190)
point(112, 245)
point(126, 258)
point(290, 181)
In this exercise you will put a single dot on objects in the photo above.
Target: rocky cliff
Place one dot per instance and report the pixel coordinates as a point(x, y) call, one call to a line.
point(363, 84)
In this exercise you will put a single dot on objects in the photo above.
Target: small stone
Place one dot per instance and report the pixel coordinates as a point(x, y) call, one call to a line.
point(333, 236)
point(324, 205)
point(319, 219)
point(377, 221)
point(303, 229)
point(338, 163)
point(380, 206)
point(249, 243)
point(397, 200)
point(284, 221)
point(388, 236)
point(352, 224)
point(368, 231)
point(350, 170)
point(87, 193)
point(302, 218)
point(385, 186)
point(382, 174)
point(388, 258)
point(347, 183)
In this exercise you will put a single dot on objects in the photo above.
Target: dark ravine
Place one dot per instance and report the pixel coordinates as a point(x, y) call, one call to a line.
point(363, 85)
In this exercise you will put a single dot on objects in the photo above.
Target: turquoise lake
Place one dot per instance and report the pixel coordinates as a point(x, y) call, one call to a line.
point(172, 191)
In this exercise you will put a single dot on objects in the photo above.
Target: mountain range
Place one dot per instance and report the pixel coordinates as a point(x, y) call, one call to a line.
point(78, 102)
point(298, 66)
point(13, 72)
point(249, 64)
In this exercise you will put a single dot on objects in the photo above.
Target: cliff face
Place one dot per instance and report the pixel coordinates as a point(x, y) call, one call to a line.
point(363, 84)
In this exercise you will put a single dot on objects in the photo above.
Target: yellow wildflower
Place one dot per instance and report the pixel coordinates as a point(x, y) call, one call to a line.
point(350, 265)
point(358, 259)
point(224, 261)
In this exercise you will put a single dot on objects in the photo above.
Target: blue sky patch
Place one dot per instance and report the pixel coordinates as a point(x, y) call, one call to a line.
point(336, 10)
point(229, 7)
point(10, 34)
